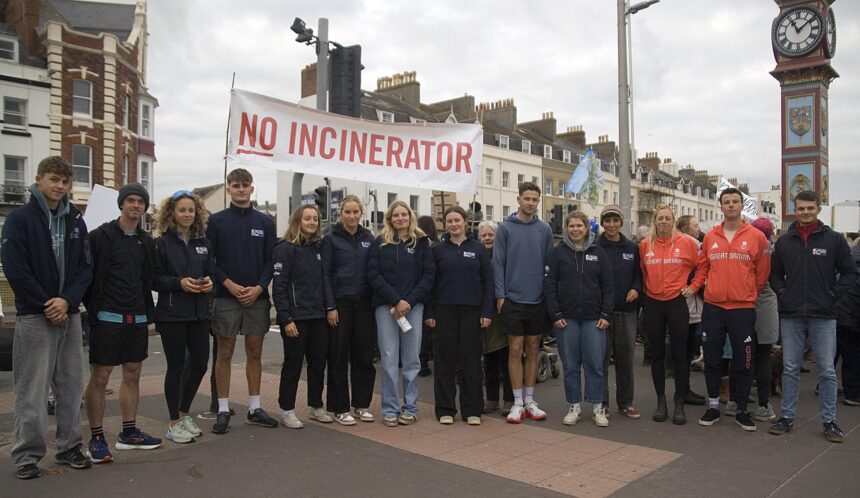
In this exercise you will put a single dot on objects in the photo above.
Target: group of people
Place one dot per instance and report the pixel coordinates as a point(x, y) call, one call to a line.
point(340, 296)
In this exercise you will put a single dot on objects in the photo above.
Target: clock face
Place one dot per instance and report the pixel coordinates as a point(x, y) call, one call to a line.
point(830, 35)
point(798, 31)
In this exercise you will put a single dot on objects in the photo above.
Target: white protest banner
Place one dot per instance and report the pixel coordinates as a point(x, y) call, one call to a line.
point(275, 134)
point(101, 207)
point(750, 210)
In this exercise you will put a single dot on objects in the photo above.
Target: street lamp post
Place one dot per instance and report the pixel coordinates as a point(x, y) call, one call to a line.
point(624, 147)
point(306, 36)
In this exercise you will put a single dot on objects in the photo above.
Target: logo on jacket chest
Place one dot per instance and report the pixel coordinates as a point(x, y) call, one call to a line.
point(365, 245)
point(410, 250)
point(627, 256)
point(819, 251)
point(467, 254)
point(202, 250)
point(256, 232)
point(591, 257)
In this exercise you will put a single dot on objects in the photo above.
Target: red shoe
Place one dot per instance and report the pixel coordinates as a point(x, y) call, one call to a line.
point(534, 412)
point(517, 415)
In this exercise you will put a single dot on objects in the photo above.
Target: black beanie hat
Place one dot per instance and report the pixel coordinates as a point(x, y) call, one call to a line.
point(133, 189)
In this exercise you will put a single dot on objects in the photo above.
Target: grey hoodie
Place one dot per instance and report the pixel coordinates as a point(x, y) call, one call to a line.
point(57, 226)
point(520, 255)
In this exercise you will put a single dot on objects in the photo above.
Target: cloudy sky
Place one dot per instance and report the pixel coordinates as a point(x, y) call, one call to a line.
point(702, 92)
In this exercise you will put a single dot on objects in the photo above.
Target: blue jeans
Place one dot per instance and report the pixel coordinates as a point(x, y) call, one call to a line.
point(822, 338)
point(582, 344)
point(396, 347)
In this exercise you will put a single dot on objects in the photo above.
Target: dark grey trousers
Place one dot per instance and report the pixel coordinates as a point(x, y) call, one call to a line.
point(620, 343)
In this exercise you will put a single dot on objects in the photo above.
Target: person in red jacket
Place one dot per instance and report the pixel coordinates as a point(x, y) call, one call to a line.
point(667, 258)
point(735, 260)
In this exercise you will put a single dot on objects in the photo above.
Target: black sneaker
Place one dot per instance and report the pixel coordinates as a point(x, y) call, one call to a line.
point(832, 432)
point(28, 471)
point(711, 416)
point(781, 426)
point(261, 418)
point(222, 423)
point(73, 458)
point(744, 420)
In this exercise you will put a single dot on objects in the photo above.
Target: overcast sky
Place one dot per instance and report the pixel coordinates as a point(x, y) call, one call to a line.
point(702, 92)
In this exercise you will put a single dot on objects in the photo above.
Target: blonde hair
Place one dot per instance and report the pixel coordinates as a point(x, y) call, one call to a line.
point(388, 231)
point(294, 233)
point(352, 198)
point(166, 221)
point(652, 233)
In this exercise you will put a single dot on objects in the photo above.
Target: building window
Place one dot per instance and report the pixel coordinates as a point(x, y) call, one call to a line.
point(615, 198)
point(547, 151)
point(489, 212)
point(146, 119)
point(535, 180)
point(123, 178)
point(8, 49)
point(506, 211)
point(385, 116)
point(527, 146)
point(561, 186)
point(506, 179)
point(14, 186)
point(488, 176)
point(392, 196)
point(413, 119)
point(144, 173)
point(504, 141)
point(82, 160)
point(606, 197)
point(82, 101)
point(14, 112)
point(548, 188)
point(520, 180)
point(125, 111)
point(413, 203)
point(565, 156)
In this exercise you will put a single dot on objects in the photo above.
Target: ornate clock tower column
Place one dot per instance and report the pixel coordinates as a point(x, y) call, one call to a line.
point(804, 41)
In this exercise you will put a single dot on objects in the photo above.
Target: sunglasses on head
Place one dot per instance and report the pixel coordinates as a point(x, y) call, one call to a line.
point(181, 193)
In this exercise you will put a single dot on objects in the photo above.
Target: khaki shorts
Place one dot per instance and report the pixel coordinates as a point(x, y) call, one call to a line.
point(229, 318)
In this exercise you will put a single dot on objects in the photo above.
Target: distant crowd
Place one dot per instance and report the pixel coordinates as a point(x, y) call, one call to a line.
point(488, 295)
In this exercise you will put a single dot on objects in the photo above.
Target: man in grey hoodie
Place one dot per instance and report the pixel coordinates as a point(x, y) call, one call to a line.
point(520, 257)
point(46, 260)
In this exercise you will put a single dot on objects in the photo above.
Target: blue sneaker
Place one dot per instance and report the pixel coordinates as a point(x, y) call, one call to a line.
point(137, 440)
point(99, 451)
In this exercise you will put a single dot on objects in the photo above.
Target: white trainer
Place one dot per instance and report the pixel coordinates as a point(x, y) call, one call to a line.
point(573, 416)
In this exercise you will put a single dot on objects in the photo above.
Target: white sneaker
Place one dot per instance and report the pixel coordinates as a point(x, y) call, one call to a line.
point(179, 434)
point(534, 411)
point(320, 415)
point(363, 414)
point(291, 421)
point(344, 418)
point(190, 426)
point(573, 416)
point(517, 415)
point(446, 420)
point(600, 418)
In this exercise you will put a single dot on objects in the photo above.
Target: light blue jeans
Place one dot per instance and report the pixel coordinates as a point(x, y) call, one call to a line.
point(822, 338)
point(396, 347)
point(582, 345)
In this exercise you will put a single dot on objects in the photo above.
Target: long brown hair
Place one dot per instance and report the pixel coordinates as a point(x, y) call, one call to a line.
point(294, 233)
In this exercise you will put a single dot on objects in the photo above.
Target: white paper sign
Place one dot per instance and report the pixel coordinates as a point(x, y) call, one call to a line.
point(750, 210)
point(101, 207)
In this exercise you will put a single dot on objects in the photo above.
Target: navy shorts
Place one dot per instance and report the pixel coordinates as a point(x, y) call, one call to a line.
point(117, 343)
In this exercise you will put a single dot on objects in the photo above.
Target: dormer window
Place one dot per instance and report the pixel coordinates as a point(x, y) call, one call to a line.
point(8, 49)
point(527, 146)
point(413, 119)
point(565, 156)
point(385, 116)
point(547, 151)
point(504, 141)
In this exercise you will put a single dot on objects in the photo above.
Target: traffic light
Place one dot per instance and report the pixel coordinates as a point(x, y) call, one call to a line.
point(556, 221)
point(345, 84)
point(321, 201)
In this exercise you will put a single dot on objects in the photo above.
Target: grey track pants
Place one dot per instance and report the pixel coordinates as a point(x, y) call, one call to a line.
point(621, 343)
point(43, 355)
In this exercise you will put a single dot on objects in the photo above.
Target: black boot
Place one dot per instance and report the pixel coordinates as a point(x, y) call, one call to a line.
point(661, 413)
point(425, 370)
point(693, 398)
point(679, 418)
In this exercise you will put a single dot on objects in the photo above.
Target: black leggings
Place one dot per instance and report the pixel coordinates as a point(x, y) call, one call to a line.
point(496, 372)
point(186, 349)
point(658, 316)
point(312, 343)
point(350, 356)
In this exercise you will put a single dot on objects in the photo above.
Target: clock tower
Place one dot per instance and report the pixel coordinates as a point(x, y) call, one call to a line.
point(804, 40)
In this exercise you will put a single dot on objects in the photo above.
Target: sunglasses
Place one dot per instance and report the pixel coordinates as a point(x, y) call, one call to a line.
point(181, 193)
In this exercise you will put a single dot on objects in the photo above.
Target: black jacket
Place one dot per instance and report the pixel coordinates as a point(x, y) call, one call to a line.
point(344, 259)
point(174, 261)
point(624, 257)
point(400, 271)
point(848, 305)
point(29, 262)
point(100, 243)
point(464, 276)
point(578, 284)
point(242, 239)
point(804, 276)
point(297, 283)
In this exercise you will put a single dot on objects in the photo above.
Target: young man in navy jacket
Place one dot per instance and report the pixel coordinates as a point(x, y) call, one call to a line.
point(243, 239)
point(804, 267)
point(47, 262)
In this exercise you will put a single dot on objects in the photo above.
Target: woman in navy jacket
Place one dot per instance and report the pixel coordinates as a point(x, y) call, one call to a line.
point(400, 270)
point(182, 276)
point(352, 336)
point(461, 305)
point(297, 291)
point(580, 299)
